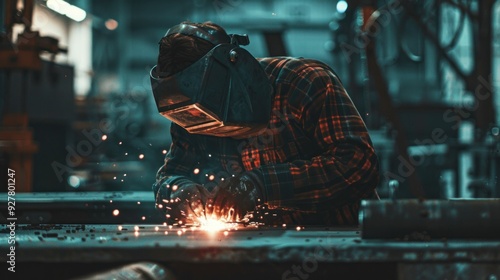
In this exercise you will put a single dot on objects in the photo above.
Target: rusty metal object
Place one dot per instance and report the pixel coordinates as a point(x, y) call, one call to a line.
point(431, 219)
point(137, 271)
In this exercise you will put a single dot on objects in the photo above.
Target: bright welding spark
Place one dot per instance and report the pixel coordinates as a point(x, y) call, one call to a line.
point(119, 143)
point(104, 137)
point(141, 156)
point(138, 202)
point(136, 233)
point(214, 225)
point(179, 232)
point(120, 228)
point(196, 171)
point(143, 218)
point(136, 228)
point(298, 228)
point(211, 177)
point(126, 154)
point(226, 233)
point(164, 152)
point(174, 188)
point(166, 232)
point(157, 228)
point(116, 212)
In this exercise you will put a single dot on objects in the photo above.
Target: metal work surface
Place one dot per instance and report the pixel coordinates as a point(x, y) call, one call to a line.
point(259, 251)
point(64, 243)
point(84, 207)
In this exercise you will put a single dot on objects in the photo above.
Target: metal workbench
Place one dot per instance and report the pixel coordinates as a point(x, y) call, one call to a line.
point(70, 250)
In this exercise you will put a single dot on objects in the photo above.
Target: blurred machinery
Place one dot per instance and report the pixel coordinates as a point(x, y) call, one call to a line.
point(24, 52)
point(20, 56)
point(57, 141)
point(461, 141)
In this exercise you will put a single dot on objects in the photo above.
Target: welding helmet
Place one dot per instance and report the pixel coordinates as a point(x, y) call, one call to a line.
point(225, 93)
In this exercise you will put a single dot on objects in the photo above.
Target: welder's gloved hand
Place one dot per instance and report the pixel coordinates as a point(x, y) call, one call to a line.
point(182, 203)
point(235, 197)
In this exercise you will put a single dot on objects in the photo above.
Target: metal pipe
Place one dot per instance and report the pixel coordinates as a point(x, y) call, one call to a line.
point(431, 219)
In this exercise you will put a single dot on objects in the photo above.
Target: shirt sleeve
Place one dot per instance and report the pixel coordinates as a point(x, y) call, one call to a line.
point(178, 163)
point(347, 168)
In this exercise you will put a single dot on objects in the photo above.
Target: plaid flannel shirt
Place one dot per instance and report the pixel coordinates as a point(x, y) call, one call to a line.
point(315, 160)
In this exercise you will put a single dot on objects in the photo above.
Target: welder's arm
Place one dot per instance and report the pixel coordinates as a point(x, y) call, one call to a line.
point(181, 198)
point(345, 172)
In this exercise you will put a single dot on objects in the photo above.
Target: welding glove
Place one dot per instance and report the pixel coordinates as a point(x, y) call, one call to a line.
point(183, 202)
point(235, 197)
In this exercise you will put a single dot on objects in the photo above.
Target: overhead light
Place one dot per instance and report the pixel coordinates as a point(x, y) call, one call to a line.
point(111, 24)
point(64, 8)
point(342, 6)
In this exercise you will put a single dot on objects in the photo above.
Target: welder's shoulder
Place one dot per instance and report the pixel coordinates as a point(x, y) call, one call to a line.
point(288, 69)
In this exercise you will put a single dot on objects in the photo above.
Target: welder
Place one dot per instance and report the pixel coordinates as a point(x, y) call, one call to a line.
point(275, 133)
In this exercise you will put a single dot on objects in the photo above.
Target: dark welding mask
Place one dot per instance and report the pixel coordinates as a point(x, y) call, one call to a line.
point(225, 93)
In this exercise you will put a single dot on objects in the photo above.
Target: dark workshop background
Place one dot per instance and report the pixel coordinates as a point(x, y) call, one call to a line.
point(428, 88)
